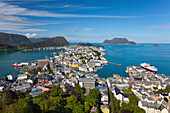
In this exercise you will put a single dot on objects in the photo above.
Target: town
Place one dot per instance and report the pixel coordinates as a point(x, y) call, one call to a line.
point(71, 73)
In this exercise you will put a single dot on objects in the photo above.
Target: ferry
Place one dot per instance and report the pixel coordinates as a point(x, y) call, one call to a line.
point(149, 67)
point(17, 65)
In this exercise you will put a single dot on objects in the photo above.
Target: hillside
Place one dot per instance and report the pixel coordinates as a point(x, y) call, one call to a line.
point(6, 47)
point(118, 41)
point(33, 40)
point(13, 39)
point(52, 42)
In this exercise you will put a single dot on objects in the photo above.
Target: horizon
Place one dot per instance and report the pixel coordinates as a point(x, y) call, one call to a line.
point(93, 21)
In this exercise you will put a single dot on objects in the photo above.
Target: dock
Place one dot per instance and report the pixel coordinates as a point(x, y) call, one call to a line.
point(115, 63)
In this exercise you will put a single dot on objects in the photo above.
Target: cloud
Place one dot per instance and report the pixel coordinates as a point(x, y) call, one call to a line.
point(119, 35)
point(67, 6)
point(158, 26)
point(7, 9)
point(28, 35)
point(88, 29)
point(86, 38)
point(13, 17)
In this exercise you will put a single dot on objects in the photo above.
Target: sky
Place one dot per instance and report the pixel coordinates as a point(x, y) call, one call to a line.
point(142, 21)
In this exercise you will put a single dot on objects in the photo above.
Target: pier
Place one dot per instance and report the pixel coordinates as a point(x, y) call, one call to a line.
point(115, 63)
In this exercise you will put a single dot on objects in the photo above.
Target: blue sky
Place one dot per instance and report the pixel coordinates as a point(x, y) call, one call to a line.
point(143, 21)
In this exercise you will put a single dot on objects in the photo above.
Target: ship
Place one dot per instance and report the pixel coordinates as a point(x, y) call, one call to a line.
point(149, 67)
point(17, 65)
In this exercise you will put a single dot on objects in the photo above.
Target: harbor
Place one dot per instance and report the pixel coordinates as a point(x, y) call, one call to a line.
point(78, 65)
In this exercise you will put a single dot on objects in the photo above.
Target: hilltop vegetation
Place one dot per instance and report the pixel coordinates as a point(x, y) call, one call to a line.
point(6, 47)
point(53, 101)
point(13, 39)
point(33, 40)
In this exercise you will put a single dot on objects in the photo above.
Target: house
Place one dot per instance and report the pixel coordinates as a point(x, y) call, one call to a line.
point(87, 83)
point(22, 77)
point(150, 107)
point(12, 77)
point(44, 78)
point(118, 94)
point(104, 98)
point(35, 91)
point(105, 108)
point(65, 87)
point(42, 63)
point(93, 110)
point(43, 88)
point(75, 65)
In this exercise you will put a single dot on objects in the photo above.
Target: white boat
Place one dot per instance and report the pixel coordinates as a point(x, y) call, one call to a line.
point(149, 67)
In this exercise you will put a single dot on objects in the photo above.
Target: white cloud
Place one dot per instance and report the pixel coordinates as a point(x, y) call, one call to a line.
point(28, 35)
point(86, 38)
point(88, 29)
point(11, 17)
point(7, 9)
point(158, 26)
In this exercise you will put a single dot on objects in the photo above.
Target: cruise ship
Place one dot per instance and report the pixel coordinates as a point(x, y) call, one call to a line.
point(149, 67)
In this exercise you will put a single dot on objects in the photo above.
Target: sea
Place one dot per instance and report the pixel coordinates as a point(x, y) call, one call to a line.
point(126, 55)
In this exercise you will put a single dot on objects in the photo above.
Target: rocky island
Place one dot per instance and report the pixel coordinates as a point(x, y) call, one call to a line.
point(118, 41)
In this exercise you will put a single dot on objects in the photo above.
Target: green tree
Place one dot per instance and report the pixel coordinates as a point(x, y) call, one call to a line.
point(92, 99)
point(23, 106)
point(133, 100)
point(56, 91)
point(8, 97)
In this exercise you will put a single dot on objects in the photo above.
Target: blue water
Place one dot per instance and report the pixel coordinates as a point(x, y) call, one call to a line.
point(121, 54)
point(9, 58)
point(134, 55)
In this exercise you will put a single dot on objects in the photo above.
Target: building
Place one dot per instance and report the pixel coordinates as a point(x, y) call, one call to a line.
point(88, 83)
point(105, 108)
point(12, 77)
point(44, 79)
point(42, 63)
point(22, 77)
point(35, 91)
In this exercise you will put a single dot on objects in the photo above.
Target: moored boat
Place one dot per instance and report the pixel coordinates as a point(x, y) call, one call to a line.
point(17, 65)
point(149, 67)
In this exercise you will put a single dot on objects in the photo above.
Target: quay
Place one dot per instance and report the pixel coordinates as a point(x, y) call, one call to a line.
point(115, 63)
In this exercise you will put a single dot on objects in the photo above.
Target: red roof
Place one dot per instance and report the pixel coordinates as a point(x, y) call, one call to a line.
point(50, 86)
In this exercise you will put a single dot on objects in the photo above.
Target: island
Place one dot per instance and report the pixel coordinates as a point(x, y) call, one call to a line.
point(118, 41)
point(155, 45)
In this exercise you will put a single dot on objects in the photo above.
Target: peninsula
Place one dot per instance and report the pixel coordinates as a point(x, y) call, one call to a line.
point(118, 41)
point(67, 83)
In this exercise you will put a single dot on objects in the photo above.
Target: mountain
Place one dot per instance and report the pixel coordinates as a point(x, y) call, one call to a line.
point(6, 47)
point(38, 39)
point(13, 39)
point(118, 41)
point(52, 42)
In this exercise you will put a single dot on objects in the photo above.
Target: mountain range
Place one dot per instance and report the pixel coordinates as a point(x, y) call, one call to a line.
point(38, 39)
point(13, 39)
point(9, 42)
point(51, 42)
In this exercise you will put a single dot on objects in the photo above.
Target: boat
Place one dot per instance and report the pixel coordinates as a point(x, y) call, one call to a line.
point(149, 67)
point(17, 65)
point(54, 53)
